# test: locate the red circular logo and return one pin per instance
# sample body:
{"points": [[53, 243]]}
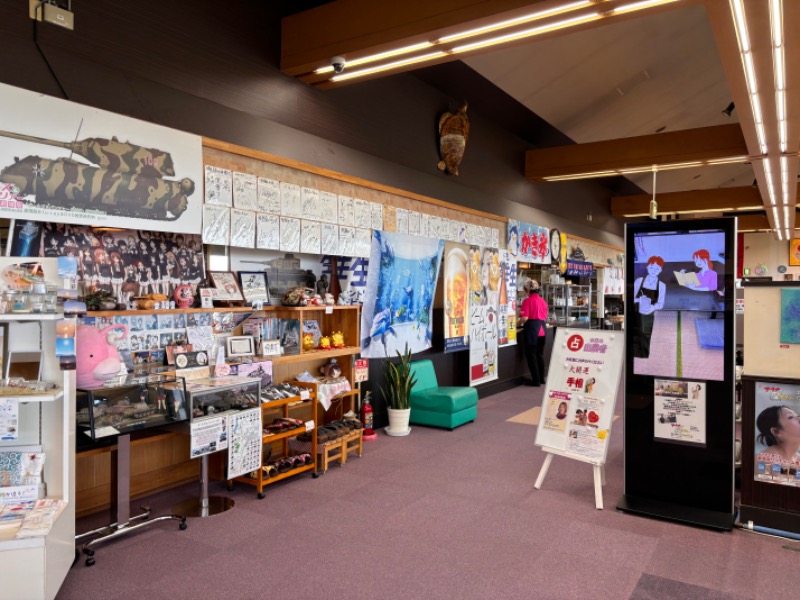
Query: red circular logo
{"points": [[575, 342]]}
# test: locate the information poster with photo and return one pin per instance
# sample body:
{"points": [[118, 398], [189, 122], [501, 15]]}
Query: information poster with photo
{"points": [[777, 434], [456, 299], [484, 279], [680, 411], [208, 435], [581, 390], [507, 303]]}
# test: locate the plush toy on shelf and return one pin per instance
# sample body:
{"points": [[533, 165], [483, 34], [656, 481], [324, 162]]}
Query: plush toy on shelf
{"points": [[325, 342], [98, 359], [337, 339], [308, 341]]}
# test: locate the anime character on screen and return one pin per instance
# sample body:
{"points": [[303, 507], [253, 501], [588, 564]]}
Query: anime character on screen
{"points": [[779, 430], [706, 275], [649, 293]]}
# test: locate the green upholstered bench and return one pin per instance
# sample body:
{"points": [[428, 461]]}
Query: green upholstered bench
{"points": [[440, 406]]}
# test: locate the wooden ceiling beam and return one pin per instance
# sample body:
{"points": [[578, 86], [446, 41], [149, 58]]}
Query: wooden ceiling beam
{"points": [[720, 199], [641, 152]]}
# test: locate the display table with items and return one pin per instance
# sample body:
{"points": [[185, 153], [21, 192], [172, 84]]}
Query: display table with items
{"points": [[224, 415], [115, 409]]}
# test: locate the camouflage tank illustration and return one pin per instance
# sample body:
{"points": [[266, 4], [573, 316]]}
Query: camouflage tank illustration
{"points": [[128, 180]]}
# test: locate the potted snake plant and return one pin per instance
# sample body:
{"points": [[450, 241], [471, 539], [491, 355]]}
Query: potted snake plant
{"points": [[397, 392]]}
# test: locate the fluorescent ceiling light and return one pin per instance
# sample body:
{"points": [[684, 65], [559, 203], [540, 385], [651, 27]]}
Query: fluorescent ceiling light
{"points": [[776, 20], [638, 6], [740, 25], [515, 21], [388, 66], [758, 207], [510, 37], [780, 235], [376, 57]]}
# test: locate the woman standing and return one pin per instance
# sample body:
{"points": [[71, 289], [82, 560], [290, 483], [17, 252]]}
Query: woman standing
{"points": [[533, 317], [648, 295]]}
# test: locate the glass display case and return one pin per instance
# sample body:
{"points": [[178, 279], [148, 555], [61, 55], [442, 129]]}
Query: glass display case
{"points": [[569, 304], [131, 403], [208, 397]]}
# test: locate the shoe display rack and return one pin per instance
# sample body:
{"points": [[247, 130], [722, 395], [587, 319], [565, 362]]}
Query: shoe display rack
{"points": [[269, 473], [335, 449]]}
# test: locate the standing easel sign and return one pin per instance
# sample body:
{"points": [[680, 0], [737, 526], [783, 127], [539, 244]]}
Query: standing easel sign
{"points": [[579, 398]]}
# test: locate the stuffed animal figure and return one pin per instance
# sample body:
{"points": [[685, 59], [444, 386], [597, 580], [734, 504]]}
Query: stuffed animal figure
{"points": [[184, 296], [97, 357]]}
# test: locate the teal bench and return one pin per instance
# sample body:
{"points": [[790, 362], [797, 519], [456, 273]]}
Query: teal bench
{"points": [[440, 406]]}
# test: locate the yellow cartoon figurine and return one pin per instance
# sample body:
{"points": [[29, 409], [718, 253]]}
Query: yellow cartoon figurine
{"points": [[325, 343], [308, 341], [338, 339]]}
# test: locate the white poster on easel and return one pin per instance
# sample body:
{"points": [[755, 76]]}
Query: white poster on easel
{"points": [[579, 399], [580, 394]]}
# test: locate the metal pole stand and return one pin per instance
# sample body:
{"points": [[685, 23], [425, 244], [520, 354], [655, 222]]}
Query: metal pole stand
{"points": [[205, 505], [121, 473]]}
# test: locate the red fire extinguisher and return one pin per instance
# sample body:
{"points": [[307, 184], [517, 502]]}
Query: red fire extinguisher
{"points": [[366, 415]]}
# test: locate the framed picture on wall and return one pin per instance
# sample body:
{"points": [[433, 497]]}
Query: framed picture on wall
{"points": [[794, 252], [227, 289], [255, 287]]}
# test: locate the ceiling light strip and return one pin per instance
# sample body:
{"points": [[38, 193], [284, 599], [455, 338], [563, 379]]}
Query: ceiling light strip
{"points": [[535, 16], [510, 37]]}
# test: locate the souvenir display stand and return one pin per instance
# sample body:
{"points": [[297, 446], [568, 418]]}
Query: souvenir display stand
{"points": [[34, 568], [578, 403], [679, 398], [151, 391], [770, 480], [569, 304], [217, 399]]}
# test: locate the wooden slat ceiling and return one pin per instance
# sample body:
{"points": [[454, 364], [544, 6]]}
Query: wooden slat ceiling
{"points": [[672, 68]]}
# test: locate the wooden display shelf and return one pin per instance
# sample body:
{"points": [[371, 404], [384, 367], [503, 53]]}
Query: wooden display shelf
{"points": [[315, 354], [276, 437], [28, 316], [55, 395], [262, 482]]}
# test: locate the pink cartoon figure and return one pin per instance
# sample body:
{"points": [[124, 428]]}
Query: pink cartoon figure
{"points": [[98, 359]]}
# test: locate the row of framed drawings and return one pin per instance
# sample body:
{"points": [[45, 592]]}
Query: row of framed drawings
{"points": [[246, 211]]}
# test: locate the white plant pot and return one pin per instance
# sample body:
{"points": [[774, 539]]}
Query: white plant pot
{"points": [[398, 421]]}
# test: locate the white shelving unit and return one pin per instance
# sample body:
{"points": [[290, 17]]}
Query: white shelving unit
{"points": [[35, 568]]}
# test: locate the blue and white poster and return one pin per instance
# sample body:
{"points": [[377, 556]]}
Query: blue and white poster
{"points": [[532, 241], [399, 297]]}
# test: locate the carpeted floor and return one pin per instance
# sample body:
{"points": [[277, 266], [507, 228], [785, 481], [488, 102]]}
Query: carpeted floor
{"points": [[438, 514]]}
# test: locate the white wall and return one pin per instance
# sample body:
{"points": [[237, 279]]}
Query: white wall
{"points": [[764, 248]]}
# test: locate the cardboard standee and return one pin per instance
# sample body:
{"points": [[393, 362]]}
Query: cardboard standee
{"points": [[579, 398]]}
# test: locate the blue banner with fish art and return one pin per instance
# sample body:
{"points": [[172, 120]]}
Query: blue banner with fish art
{"points": [[398, 302]]}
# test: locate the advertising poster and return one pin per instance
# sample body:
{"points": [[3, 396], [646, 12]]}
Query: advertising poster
{"points": [[580, 394], [9, 419], [485, 275], [790, 316], [208, 435], [67, 163], [128, 263], [398, 302], [777, 434], [244, 451], [680, 411], [512, 237], [533, 242], [507, 307], [456, 306]]}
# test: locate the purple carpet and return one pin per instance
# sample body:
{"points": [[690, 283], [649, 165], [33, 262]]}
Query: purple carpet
{"points": [[438, 514]]}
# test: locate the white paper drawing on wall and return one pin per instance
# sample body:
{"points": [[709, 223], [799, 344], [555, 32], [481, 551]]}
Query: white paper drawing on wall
{"points": [[377, 215], [363, 238], [362, 214], [244, 191], [402, 220], [216, 225], [346, 216], [291, 204], [309, 236], [268, 232], [311, 203], [347, 241], [243, 228], [290, 234], [434, 227], [329, 207], [269, 196], [454, 227], [218, 186], [413, 222], [329, 239], [495, 237], [55, 153], [424, 225], [462, 233]]}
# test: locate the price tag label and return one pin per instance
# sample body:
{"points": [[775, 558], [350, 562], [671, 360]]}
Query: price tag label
{"points": [[328, 310], [305, 394], [310, 425]]}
